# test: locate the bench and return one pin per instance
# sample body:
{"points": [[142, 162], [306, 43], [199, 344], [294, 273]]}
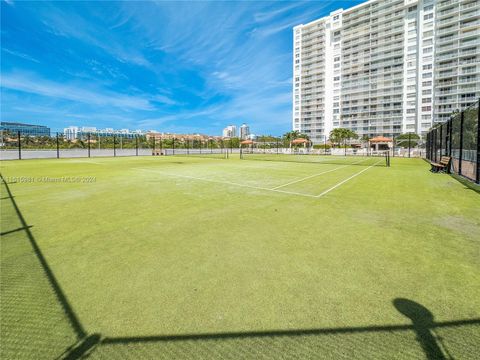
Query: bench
{"points": [[443, 165]]}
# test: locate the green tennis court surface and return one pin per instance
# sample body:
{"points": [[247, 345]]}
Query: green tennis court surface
{"points": [[189, 257]]}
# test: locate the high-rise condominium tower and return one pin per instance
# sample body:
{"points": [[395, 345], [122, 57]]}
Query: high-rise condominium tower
{"points": [[244, 131], [230, 131], [386, 67]]}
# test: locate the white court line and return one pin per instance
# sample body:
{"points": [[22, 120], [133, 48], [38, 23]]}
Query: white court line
{"points": [[311, 176], [344, 181], [308, 177], [227, 183]]}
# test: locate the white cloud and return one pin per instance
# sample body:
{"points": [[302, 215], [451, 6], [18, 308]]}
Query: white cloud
{"points": [[73, 92], [21, 55]]}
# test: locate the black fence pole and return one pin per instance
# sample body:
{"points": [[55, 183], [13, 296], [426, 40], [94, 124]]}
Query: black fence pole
{"points": [[88, 143], [136, 145], [450, 132], [432, 145], [478, 143], [19, 147], [460, 156], [409, 143], [173, 145], [114, 146], [154, 145], [58, 147], [429, 146]]}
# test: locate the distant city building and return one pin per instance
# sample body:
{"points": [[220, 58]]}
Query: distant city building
{"points": [[181, 137], [75, 132], [244, 131], [70, 133], [230, 131], [25, 129]]}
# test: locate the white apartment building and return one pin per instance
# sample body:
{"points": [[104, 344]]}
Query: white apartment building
{"points": [[71, 132], [75, 132], [244, 131], [230, 131], [386, 67]]}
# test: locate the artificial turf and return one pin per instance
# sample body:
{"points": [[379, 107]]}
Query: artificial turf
{"points": [[184, 257]]}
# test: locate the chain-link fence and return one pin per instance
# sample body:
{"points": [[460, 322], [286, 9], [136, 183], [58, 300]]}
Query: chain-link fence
{"points": [[17, 146], [458, 138]]}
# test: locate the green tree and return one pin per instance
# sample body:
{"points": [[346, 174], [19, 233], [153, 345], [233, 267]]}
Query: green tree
{"points": [[402, 140], [288, 137], [340, 135]]}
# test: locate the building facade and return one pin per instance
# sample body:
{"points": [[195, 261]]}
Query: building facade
{"points": [[230, 131], [386, 67], [25, 129], [75, 132], [244, 131]]}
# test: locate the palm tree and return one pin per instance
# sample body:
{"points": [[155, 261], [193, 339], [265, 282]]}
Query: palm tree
{"points": [[336, 135], [340, 135]]}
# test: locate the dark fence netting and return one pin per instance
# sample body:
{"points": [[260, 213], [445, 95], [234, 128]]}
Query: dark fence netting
{"points": [[15, 146], [458, 138]]}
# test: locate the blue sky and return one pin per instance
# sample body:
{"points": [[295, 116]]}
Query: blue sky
{"points": [[169, 66]]}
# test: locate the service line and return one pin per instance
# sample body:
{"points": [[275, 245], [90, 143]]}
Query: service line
{"points": [[227, 183], [344, 181]]}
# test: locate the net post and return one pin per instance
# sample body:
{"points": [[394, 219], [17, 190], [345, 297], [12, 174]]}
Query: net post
{"points": [[88, 144], [409, 142], [136, 144], [241, 151], [58, 147], [154, 145]]}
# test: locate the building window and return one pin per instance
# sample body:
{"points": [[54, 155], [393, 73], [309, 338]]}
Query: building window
{"points": [[428, 16]]}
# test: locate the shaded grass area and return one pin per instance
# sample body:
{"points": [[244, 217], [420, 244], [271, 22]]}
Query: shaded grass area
{"points": [[165, 269], [36, 318]]}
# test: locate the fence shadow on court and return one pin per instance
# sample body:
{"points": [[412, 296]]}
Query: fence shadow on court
{"points": [[37, 319], [39, 322]]}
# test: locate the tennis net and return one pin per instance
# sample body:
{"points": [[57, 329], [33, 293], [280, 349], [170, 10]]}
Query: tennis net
{"points": [[374, 159], [219, 153]]}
